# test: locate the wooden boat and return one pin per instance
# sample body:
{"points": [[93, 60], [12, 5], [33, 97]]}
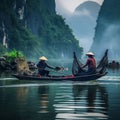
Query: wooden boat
{"points": [[101, 71], [60, 78]]}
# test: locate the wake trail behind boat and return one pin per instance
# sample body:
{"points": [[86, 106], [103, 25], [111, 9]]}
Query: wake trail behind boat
{"points": [[110, 78], [8, 79]]}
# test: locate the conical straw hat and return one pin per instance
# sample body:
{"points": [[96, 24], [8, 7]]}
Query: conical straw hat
{"points": [[43, 58], [90, 53]]}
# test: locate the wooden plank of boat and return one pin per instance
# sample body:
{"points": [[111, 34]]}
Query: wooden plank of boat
{"points": [[60, 78]]}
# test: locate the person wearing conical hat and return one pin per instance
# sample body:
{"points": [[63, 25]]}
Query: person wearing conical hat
{"points": [[42, 65], [91, 63]]}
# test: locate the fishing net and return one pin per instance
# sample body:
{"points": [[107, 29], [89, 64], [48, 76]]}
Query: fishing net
{"points": [[76, 67], [103, 63]]}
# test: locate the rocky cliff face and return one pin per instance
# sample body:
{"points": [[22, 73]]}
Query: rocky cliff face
{"points": [[107, 30], [32, 26], [26, 11], [33, 18]]}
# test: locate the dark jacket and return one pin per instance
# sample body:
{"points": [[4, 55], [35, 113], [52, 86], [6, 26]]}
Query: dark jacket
{"points": [[42, 65]]}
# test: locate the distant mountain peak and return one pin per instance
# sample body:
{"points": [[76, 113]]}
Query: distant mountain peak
{"points": [[88, 6], [83, 22]]}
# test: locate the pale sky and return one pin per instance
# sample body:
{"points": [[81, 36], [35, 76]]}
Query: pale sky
{"points": [[70, 5]]}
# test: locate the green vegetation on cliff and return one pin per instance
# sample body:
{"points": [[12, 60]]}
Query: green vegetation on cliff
{"points": [[39, 32]]}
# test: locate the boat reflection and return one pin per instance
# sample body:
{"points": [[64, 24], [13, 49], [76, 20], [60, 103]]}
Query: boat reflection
{"points": [[43, 94], [81, 101], [46, 109], [93, 98]]}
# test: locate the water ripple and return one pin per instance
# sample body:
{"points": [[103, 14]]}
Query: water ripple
{"points": [[8, 79], [110, 78], [78, 116]]}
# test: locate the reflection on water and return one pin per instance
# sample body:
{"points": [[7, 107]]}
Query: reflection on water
{"points": [[35, 100], [84, 102], [43, 93], [96, 100]]}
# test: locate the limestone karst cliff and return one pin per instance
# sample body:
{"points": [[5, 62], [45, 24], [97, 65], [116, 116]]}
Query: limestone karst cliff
{"points": [[107, 30], [33, 27], [83, 21]]}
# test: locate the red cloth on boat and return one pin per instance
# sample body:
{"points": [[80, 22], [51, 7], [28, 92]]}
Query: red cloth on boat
{"points": [[71, 76]]}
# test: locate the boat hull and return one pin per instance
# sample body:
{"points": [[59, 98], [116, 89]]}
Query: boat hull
{"points": [[60, 78]]}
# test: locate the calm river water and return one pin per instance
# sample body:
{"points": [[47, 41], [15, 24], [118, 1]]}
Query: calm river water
{"points": [[66, 100]]}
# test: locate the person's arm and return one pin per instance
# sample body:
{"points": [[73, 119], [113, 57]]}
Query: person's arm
{"points": [[54, 68], [85, 64], [51, 67]]}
